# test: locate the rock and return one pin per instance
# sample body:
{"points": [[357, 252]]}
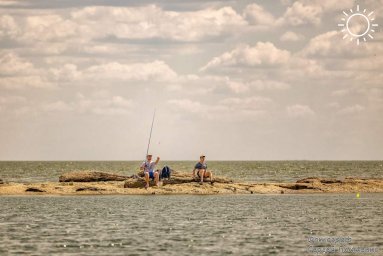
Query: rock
{"points": [[296, 186], [34, 190], [1, 181], [90, 176], [321, 180], [90, 189], [177, 178]]}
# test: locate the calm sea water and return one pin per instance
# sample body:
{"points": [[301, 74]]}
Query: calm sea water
{"points": [[186, 225], [241, 171]]}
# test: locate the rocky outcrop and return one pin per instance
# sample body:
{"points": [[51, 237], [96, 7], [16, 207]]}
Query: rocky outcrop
{"points": [[176, 178], [34, 190], [182, 183], [90, 176]]}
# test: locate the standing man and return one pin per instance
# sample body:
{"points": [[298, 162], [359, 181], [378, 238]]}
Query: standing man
{"points": [[148, 167], [202, 172]]}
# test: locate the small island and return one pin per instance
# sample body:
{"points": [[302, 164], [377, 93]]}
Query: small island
{"points": [[102, 183]]}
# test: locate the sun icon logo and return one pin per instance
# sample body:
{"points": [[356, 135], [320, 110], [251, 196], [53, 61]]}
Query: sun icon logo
{"points": [[358, 25]]}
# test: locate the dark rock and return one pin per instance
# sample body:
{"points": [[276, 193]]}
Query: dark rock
{"points": [[1, 181], [330, 181], [90, 176], [296, 186], [308, 180], [34, 190], [317, 179], [177, 178], [90, 189]]}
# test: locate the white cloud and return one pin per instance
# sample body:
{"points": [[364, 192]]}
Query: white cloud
{"points": [[299, 111], [58, 106], [341, 92], [153, 22], [229, 109], [153, 71], [66, 73], [325, 44], [13, 65], [355, 109], [93, 29], [188, 105], [330, 44], [9, 3], [10, 102], [258, 85], [304, 12], [8, 26], [50, 27], [291, 36], [247, 103], [333, 105], [265, 54], [12, 99], [257, 15], [20, 82], [16, 73], [244, 107], [263, 85], [330, 5], [301, 14], [98, 103], [237, 87]]}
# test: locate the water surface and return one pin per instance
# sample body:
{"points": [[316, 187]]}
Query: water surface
{"points": [[239, 170], [185, 225]]}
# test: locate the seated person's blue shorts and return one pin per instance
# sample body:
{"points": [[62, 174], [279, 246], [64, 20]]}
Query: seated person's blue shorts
{"points": [[200, 166], [151, 175]]}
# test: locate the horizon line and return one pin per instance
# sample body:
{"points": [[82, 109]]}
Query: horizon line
{"points": [[214, 160]]}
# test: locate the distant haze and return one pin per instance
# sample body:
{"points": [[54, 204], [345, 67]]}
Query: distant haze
{"points": [[235, 80]]}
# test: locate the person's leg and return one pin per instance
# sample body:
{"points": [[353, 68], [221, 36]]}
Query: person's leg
{"points": [[201, 173], [156, 177], [147, 179], [210, 175]]}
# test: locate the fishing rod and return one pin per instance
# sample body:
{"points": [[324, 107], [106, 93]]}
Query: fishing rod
{"points": [[150, 135]]}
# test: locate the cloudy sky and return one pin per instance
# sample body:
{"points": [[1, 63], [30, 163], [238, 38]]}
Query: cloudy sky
{"points": [[237, 80]]}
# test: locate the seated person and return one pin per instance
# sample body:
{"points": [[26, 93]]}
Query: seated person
{"points": [[148, 167], [202, 172]]}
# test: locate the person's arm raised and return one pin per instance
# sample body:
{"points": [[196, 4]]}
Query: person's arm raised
{"points": [[158, 159]]}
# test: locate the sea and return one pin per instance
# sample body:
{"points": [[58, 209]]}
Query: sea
{"points": [[305, 224]]}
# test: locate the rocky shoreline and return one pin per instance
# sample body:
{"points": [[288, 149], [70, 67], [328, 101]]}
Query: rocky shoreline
{"points": [[101, 183]]}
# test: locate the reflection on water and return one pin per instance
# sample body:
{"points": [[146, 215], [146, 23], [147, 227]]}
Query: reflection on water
{"points": [[240, 170], [184, 225]]}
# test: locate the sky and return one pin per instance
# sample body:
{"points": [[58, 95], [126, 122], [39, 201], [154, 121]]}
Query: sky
{"points": [[234, 80]]}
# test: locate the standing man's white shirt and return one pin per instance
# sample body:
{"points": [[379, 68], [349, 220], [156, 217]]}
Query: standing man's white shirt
{"points": [[148, 167]]}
